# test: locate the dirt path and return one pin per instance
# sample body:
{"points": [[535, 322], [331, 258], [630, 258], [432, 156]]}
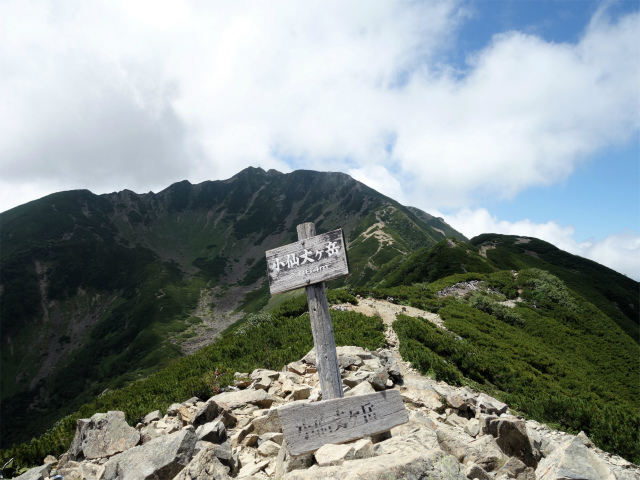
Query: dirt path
{"points": [[387, 311]]}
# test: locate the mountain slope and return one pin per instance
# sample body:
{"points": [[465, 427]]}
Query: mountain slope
{"points": [[101, 290]]}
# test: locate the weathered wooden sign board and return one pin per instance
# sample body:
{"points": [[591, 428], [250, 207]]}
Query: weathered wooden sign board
{"points": [[308, 426], [308, 263], [312, 260]]}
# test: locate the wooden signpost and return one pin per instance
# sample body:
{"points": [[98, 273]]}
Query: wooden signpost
{"points": [[308, 263]]}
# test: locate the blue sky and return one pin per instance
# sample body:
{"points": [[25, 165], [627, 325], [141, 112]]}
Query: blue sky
{"points": [[516, 117]]}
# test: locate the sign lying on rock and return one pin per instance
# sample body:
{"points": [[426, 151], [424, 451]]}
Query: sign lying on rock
{"points": [[308, 261], [308, 426]]}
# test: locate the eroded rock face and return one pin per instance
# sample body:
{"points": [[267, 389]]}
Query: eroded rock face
{"points": [[573, 460], [102, 435], [160, 459]]}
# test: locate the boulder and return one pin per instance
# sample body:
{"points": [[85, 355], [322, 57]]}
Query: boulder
{"points": [[472, 428], [285, 463], [269, 422], [161, 459], [379, 380], [204, 414], [102, 435], [233, 400], [362, 389], [213, 432], [476, 471], [511, 436], [573, 460], [515, 468], [269, 449], [405, 466], [487, 404], [36, 473], [204, 466], [420, 394], [152, 417], [356, 378], [332, 454]]}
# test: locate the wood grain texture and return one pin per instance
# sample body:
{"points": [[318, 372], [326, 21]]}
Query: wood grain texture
{"points": [[308, 426], [314, 259], [322, 329]]}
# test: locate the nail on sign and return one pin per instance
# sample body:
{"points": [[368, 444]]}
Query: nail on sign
{"points": [[316, 259]]}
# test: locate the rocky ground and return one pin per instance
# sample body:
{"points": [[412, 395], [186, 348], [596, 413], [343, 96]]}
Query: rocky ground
{"points": [[452, 433]]}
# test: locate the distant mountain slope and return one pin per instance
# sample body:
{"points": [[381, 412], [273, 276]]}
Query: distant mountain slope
{"points": [[615, 294], [100, 290]]}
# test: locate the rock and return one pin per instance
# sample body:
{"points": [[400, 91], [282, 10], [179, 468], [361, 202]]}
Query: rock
{"points": [[345, 361], [582, 436], [511, 437], [356, 378], [379, 380], [233, 400], [421, 440], [476, 471], [193, 401], [421, 397], [152, 417], [573, 460], [204, 414], [362, 389], [483, 451], [174, 409], [301, 392], [36, 473], [296, 367], [238, 437], [204, 466], [270, 422], [185, 415], [472, 428], [248, 470], [258, 373], [161, 459], [269, 449], [271, 436], [250, 440], [487, 404], [241, 380], [213, 432], [515, 468], [102, 435], [405, 466], [285, 463], [50, 459], [263, 383], [455, 420], [331, 454]]}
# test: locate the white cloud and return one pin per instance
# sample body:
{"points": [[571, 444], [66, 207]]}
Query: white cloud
{"points": [[110, 95], [620, 252]]}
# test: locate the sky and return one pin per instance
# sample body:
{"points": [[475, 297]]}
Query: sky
{"points": [[503, 116]]}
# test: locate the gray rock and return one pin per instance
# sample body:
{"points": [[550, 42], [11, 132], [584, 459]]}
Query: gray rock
{"points": [[204, 466], [269, 422], [174, 409], [269, 449], [160, 459], [213, 432], [420, 440], [573, 460], [405, 466], [36, 473], [514, 468], [585, 440], [421, 395], [490, 405], [473, 470], [285, 463], [152, 417], [362, 389], [102, 435], [271, 436], [511, 436], [205, 414], [472, 428], [356, 378], [455, 420], [379, 380], [232, 400]]}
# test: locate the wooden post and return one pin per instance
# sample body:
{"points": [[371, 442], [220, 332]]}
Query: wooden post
{"points": [[323, 340]]}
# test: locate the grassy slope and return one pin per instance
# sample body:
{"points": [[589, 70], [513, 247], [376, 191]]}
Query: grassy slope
{"points": [[615, 294]]}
